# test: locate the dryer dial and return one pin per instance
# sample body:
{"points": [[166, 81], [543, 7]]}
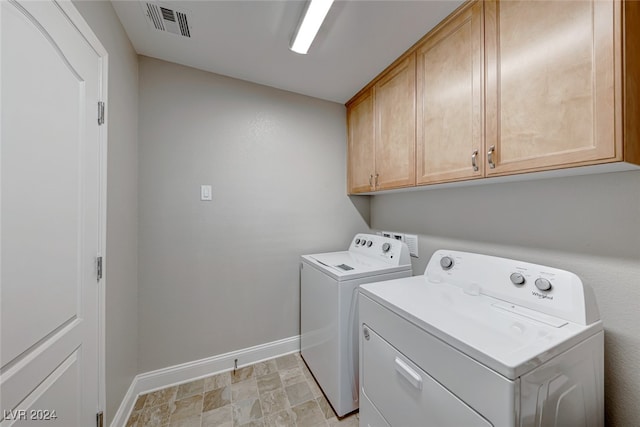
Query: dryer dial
{"points": [[543, 284], [446, 263], [517, 279]]}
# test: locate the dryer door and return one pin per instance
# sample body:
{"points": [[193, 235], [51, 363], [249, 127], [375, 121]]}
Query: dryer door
{"points": [[406, 395]]}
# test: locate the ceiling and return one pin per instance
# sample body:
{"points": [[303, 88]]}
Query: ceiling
{"points": [[249, 40]]}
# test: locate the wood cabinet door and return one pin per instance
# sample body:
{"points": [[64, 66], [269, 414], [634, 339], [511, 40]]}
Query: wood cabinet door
{"points": [[360, 163], [449, 100], [551, 84], [395, 126]]}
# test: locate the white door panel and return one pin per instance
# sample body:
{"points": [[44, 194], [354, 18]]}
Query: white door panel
{"points": [[50, 177]]}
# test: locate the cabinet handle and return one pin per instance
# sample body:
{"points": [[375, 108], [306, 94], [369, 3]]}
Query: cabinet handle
{"points": [[376, 181], [492, 150], [371, 180], [409, 374], [474, 161]]}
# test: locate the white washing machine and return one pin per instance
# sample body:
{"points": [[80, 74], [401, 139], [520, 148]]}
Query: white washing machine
{"points": [[481, 341], [329, 312]]}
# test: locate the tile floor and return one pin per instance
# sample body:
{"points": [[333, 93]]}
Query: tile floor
{"points": [[277, 392]]}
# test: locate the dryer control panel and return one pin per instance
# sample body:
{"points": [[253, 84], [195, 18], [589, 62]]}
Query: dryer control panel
{"points": [[394, 252], [521, 286]]}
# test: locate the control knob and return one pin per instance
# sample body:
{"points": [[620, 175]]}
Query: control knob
{"points": [[446, 263], [357, 241], [543, 284], [364, 242], [517, 279], [386, 247], [370, 243]]}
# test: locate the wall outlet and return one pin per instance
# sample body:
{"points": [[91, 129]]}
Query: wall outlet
{"points": [[412, 243], [398, 236], [387, 234]]}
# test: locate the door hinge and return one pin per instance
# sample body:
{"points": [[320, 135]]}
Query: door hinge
{"points": [[99, 267], [100, 112], [100, 419]]}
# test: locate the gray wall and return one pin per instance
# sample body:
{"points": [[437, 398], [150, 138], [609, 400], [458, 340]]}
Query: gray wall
{"points": [[223, 275], [121, 257], [588, 225]]}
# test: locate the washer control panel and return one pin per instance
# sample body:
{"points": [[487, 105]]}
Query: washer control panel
{"points": [[394, 252], [536, 287]]}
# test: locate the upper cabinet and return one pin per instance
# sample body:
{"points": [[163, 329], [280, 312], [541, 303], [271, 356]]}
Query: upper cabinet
{"points": [[449, 99], [395, 126], [502, 88], [551, 84], [360, 165], [382, 132]]}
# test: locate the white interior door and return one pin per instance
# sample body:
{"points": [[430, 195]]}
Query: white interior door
{"points": [[50, 218]]}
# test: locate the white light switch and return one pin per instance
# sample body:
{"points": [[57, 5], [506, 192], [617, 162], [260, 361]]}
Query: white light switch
{"points": [[205, 193]]}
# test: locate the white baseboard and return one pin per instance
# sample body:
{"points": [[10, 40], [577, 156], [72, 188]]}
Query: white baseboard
{"points": [[185, 372]]}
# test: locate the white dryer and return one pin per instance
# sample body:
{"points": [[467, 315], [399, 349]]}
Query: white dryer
{"points": [[329, 312], [481, 341]]}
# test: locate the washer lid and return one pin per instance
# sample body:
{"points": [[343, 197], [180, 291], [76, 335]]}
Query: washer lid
{"points": [[501, 336], [348, 265]]}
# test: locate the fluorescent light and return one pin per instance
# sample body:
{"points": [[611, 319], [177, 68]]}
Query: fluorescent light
{"points": [[314, 15]]}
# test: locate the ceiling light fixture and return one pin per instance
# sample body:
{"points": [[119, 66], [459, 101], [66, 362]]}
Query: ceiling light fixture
{"points": [[308, 28]]}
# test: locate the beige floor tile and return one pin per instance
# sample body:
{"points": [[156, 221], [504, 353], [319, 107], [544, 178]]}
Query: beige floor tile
{"points": [[192, 421], [187, 407], [156, 416], [242, 374], [190, 389], [299, 393], [246, 411], [133, 419], [350, 421], [279, 392], [315, 388], [215, 399], [221, 417], [274, 401], [326, 409], [291, 376], [269, 382], [159, 397], [246, 389], [286, 418], [308, 414], [253, 423], [287, 362], [265, 368], [217, 381], [140, 402], [306, 372]]}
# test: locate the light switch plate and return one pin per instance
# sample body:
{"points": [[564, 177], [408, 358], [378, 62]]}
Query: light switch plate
{"points": [[412, 243], [205, 193]]}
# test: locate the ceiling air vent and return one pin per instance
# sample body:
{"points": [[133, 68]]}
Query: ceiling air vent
{"points": [[167, 19]]}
